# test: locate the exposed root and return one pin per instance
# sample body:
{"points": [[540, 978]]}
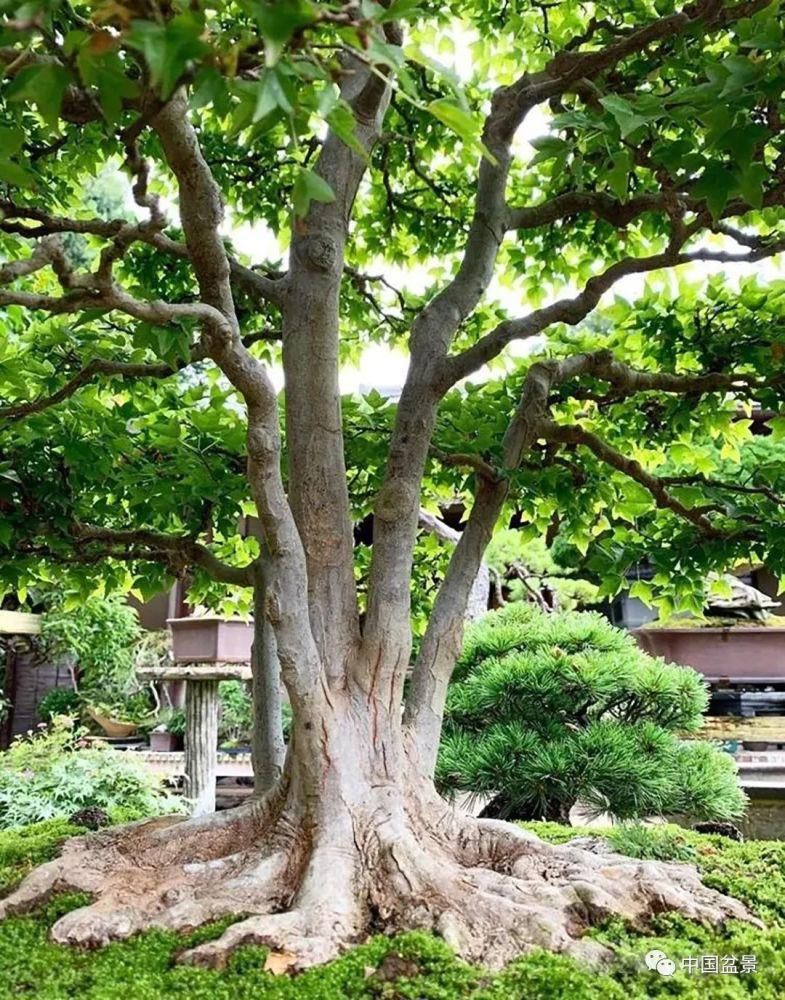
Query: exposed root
{"points": [[163, 873], [490, 890]]}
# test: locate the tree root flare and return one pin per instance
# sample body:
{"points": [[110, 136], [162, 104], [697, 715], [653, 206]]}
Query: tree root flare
{"points": [[490, 890]]}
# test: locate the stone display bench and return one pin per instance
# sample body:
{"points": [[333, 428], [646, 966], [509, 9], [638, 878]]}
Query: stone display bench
{"points": [[201, 722]]}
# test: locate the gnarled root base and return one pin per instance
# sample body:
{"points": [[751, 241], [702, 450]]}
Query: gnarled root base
{"points": [[491, 890]]}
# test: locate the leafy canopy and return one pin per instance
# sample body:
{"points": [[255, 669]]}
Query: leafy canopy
{"points": [[671, 152]]}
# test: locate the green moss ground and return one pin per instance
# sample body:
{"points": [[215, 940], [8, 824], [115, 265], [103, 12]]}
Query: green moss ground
{"points": [[416, 966]]}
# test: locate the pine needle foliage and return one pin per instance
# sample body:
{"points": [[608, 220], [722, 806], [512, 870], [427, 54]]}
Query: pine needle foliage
{"points": [[547, 710]]}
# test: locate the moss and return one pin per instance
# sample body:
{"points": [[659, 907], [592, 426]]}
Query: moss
{"points": [[417, 966], [22, 848]]}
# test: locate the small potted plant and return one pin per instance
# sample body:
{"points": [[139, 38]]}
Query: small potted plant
{"points": [[167, 736], [122, 714]]}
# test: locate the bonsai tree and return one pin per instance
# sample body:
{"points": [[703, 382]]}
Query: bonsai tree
{"points": [[548, 710], [659, 145], [524, 569]]}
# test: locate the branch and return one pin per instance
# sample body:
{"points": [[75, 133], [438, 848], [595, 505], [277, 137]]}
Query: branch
{"points": [[441, 643], [257, 286], [570, 67], [658, 489], [285, 576], [123, 369], [465, 460], [97, 366], [720, 484], [617, 213], [182, 546], [576, 308]]}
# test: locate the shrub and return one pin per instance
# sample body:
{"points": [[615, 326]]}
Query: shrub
{"points": [[59, 701], [236, 719], [174, 720], [98, 635], [545, 710], [51, 774]]}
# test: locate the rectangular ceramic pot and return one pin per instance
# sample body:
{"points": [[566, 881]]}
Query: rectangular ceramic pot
{"points": [[744, 654], [211, 639], [163, 742]]}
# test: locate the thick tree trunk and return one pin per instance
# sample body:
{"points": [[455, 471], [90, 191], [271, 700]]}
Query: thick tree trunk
{"points": [[354, 841], [352, 838], [268, 747]]}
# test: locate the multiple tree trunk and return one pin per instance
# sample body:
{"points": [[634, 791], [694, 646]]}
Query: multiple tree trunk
{"points": [[351, 837]]}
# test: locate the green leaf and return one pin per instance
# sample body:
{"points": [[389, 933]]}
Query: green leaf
{"points": [[716, 184], [168, 48], [11, 140], [278, 22], [461, 122], [342, 121], [548, 147], [309, 187], [401, 10], [266, 98], [619, 174], [777, 426], [16, 175], [752, 182], [624, 114], [44, 86]]}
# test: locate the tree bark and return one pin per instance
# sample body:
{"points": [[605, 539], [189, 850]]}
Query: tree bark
{"points": [[352, 841], [268, 746], [352, 838], [201, 745], [317, 484], [441, 643]]}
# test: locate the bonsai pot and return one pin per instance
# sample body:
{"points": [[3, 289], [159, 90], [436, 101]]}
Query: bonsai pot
{"points": [[115, 728], [163, 742], [746, 654], [211, 639]]}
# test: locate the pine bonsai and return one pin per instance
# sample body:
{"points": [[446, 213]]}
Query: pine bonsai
{"points": [[547, 710]]}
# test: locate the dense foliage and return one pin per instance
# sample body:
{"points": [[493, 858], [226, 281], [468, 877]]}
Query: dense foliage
{"points": [[53, 773], [678, 141], [97, 636], [549, 709], [415, 966], [235, 719], [526, 570], [60, 701]]}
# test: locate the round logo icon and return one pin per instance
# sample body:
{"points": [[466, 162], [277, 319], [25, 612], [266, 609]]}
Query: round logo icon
{"points": [[666, 967], [653, 958]]}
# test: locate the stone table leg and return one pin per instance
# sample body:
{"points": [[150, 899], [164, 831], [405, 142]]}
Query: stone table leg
{"points": [[201, 745]]}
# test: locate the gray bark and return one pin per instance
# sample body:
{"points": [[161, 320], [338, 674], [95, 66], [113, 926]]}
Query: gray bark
{"points": [[268, 746], [317, 483], [201, 745], [441, 643]]}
